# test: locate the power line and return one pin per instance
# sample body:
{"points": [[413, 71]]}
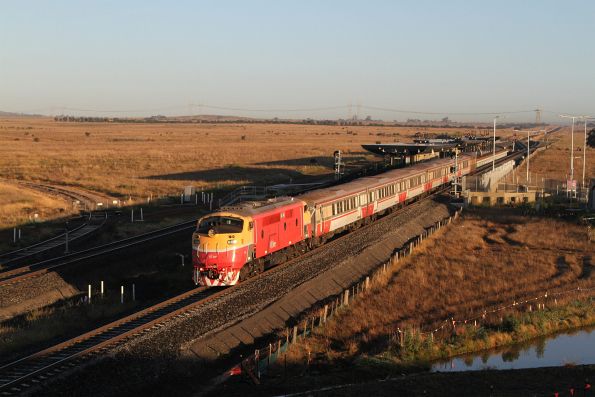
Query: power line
{"points": [[315, 109], [308, 109], [445, 113]]}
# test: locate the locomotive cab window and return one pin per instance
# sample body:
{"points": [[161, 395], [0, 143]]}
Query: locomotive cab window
{"points": [[220, 225]]}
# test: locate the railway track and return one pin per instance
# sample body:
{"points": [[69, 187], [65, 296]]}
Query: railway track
{"points": [[27, 372], [94, 222], [77, 196], [19, 274]]}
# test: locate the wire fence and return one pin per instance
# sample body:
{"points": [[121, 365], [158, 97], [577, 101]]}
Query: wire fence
{"points": [[257, 364]]}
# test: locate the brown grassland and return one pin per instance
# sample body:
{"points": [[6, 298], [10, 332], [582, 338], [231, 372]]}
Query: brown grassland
{"points": [[18, 204], [488, 258], [554, 163], [140, 160]]}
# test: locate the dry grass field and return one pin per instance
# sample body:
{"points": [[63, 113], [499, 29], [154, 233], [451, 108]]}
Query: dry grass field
{"points": [[18, 203], [140, 160], [554, 163], [489, 258]]}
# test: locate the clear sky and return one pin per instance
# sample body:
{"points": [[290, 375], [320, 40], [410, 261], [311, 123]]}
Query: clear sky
{"points": [[157, 57]]}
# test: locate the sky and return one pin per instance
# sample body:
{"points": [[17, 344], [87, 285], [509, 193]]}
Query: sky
{"points": [[319, 59]]}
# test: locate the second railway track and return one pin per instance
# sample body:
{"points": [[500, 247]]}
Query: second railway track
{"points": [[22, 273], [25, 373]]}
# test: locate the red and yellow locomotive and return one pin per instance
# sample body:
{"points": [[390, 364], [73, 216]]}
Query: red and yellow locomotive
{"points": [[240, 241]]}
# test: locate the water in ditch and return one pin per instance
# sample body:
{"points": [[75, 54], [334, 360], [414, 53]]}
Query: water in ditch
{"points": [[573, 348]]}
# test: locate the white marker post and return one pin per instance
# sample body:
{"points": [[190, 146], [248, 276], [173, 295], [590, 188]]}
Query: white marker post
{"points": [[101, 289], [133, 292], [182, 198], [141, 215], [89, 293], [121, 294], [14, 235], [19, 234], [132, 215]]}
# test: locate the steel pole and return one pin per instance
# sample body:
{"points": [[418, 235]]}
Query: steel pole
{"points": [[572, 151], [584, 154], [528, 143], [494, 147]]}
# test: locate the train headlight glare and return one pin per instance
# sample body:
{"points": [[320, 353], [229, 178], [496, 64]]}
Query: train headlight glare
{"points": [[232, 241]]}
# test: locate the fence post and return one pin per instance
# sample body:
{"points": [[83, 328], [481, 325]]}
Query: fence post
{"points": [[346, 297], [257, 362], [325, 314], [295, 333], [367, 283]]}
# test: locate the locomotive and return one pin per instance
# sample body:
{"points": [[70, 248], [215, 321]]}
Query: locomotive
{"points": [[243, 240]]}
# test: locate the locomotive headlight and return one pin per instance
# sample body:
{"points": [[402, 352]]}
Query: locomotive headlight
{"points": [[230, 242]]}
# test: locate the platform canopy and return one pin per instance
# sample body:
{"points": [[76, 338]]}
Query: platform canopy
{"points": [[419, 146], [401, 149]]}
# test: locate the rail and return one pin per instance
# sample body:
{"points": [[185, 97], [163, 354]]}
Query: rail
{"points": [[23, 373], [37, 248], [37, 269]]}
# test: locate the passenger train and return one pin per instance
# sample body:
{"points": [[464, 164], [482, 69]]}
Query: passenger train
{"points": [[238, 242]]}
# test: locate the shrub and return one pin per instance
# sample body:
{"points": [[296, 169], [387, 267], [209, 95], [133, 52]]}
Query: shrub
{"points": [[510, 324]]}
